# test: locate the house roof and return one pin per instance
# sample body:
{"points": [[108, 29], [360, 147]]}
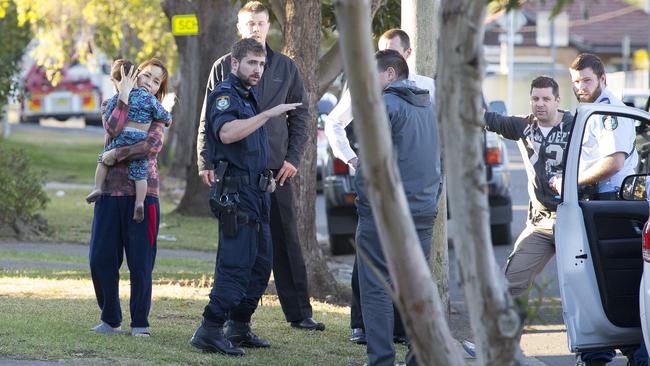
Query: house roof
{"points": [[594, 26]]}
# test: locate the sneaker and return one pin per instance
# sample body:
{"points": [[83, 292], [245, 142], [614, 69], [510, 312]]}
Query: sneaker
{"points": [[470, 348]]}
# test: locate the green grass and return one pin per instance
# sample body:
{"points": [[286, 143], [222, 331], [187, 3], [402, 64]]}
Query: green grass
{"points": [[49, 326], [70, 218], [164, 265], [63, 156], [70, 157]]}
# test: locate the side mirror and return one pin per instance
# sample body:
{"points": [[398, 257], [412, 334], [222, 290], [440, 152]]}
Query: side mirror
{"points": [[634, 188]]}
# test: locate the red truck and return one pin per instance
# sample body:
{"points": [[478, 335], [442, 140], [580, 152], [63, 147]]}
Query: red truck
{"points": [[79, 93]]}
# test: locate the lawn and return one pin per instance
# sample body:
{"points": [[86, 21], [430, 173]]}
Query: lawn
{"points": [[63, 156], [50, 319], [69, 156], [70, 218], [47, 303]]}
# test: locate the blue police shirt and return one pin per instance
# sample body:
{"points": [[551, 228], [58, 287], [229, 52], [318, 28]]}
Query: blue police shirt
{"points": [[232, 101]]}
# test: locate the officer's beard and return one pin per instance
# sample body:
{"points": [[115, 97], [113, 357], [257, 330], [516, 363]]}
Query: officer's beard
{"points": [[591, 97], [248, 80]]}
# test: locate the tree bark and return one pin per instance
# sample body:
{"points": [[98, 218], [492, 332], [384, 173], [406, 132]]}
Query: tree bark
{"points": [[331, 63], [196, 55], [416, 296], [423, 31], [301, 43], [494, 319]]}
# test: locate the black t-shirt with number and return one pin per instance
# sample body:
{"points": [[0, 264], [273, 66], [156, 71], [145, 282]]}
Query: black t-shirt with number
{"points": [[543, 153]]}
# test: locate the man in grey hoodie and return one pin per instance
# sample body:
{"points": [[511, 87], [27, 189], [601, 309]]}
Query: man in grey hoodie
{"points": [[414, 135]]}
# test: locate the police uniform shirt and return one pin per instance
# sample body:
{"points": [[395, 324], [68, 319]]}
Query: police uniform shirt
{"points": [[606, 135], [232, 101]]}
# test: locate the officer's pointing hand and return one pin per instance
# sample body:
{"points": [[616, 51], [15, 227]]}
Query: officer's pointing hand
{"points": [[287, 171], [281, 109]]}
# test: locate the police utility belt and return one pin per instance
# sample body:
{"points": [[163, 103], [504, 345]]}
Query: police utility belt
{"points": [[224, 198]]}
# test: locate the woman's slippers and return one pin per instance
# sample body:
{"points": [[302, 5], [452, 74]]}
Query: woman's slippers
{"points": [[141, 332], [105, 328]]}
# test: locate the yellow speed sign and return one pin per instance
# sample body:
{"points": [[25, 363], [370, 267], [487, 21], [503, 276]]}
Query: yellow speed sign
{"points": [[185, 25]]}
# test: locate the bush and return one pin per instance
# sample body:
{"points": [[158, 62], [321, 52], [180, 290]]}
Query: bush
{"points": [[21, 188]]}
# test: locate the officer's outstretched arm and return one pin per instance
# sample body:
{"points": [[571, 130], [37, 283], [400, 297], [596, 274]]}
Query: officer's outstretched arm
{"points": [[239, 129]]}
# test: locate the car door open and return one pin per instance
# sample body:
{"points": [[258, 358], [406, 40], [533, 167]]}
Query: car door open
{"points": [[598, 246]]}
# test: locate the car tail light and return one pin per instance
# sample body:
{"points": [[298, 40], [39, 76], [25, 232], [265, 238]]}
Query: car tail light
{"points": [[35, 104], [493, 156], [646, 241], [88, 101], [340, 168]]}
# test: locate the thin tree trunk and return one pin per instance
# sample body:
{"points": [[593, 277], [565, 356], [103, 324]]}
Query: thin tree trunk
{"points": [[494, 319], [331, 63], [416, 296], [196, 55], [423, 31], [301, 43]]}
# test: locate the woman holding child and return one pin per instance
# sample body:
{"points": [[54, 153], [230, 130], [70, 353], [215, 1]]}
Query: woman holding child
{"points": [[118, 227]]}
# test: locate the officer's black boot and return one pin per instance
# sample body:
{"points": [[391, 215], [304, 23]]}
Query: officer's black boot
{"points": [[209, 337], [240, 335]]}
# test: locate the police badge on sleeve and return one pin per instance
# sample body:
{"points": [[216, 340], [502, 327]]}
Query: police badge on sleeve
{"points": [[610, 122], [223, 102]]}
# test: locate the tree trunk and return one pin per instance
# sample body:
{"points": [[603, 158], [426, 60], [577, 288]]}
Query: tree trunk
{"points": [[416, 296], [423, 31], [494, 319], [331, 63], [301, 43], [196, 55]]}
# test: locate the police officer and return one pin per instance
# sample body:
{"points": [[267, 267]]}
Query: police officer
{"points": [[240, 201], [281, 83]]}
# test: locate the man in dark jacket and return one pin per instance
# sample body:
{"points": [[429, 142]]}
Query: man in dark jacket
{"points": [[414, 135], [281, 83]]}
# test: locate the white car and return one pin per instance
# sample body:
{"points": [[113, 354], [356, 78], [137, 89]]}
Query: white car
{"points": [[598, 247]]}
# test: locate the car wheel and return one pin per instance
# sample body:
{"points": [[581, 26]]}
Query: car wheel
{"points": [[501, 234], [341, 244]]}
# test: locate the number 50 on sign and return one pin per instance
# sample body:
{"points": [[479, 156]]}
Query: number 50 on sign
{"points": [[185, 25]]}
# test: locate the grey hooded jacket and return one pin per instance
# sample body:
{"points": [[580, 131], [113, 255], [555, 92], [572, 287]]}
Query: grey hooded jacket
{"points": [[414, 133]]}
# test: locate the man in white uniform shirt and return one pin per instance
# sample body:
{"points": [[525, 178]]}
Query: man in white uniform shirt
{"points": [[608, 147], [608, 155], [335, 123]]}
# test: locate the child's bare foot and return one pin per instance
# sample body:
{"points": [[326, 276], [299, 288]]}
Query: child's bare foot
{"points": [[93, 195], [138, 212]]}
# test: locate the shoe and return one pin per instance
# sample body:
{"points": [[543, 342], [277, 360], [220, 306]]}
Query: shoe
{"points": [[470, 348], [401, 339], [240, 335], [210, 338], [308, 324], [358, 336], [105, 328]]}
